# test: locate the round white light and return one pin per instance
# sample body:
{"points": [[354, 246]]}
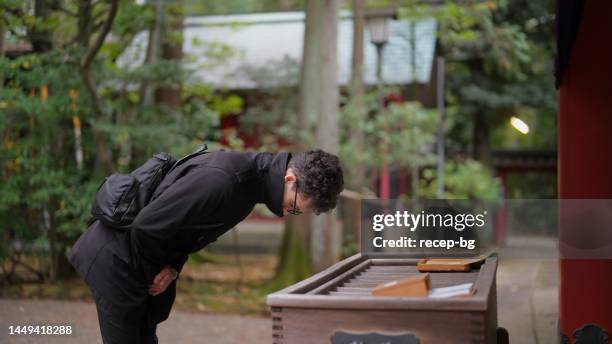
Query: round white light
{"points": [[519, 125]]}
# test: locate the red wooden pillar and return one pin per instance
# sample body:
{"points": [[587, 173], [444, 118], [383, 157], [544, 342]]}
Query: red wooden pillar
{"points": [[385, 181], [585, 164]]}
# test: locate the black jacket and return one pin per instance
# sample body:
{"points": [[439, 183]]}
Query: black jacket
{"points": [[195, 203]]}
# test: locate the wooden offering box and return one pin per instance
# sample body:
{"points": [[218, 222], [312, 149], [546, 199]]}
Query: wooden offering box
{"points": [[336, 306]]}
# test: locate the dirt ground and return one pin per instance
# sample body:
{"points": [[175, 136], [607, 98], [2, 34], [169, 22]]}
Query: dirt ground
{"points": [[181, 327], [527, 289]]}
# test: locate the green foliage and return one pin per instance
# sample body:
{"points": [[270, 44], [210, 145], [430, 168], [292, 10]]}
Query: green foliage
{"points": [[44, 194], [499, 64], [408, 131], [355, 148], [467, 179], [532, 185], [402, 135], [541, 131], [272, 113]]}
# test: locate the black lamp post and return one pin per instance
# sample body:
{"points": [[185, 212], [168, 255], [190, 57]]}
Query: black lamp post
{"points": [[378, 25], [377, 21]]}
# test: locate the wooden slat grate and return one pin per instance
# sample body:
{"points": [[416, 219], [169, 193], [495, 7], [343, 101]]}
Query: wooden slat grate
{"points": [[362, 283]]}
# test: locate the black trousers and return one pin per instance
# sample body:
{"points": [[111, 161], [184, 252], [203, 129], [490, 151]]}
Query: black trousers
{"points": [[124, 326]]}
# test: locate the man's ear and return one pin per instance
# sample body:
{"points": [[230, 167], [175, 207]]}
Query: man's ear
{"points": [[289, 175]]}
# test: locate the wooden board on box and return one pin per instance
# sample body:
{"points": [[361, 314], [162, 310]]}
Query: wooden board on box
{"points": [[417, 285], [448, 264]]}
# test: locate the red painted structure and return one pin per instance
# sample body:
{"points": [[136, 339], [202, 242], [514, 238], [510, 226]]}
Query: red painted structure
{"points": [[506, 162], [585, 163]]}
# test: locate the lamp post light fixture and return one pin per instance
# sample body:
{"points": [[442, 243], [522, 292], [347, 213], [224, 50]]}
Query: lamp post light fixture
{"points": [[519, 125], [379, 29], [377, 21]]}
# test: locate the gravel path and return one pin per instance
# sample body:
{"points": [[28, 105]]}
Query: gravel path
{"points": [[181, 327]]}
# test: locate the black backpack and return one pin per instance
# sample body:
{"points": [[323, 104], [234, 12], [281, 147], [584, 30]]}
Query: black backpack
{"points": [[121, 196]]}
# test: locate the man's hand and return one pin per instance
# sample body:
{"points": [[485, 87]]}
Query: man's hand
{"points": [[162, 280]]}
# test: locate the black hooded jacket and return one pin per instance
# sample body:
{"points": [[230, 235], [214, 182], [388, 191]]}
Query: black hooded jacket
{"points": [[195, 203]]}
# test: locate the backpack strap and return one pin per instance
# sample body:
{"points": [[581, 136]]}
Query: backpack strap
{"points": [[168, 180], [202, 149]]}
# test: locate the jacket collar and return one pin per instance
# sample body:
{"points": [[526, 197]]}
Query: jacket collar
{"points": [[271, 169]]}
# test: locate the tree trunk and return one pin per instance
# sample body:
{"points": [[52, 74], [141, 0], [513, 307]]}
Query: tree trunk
{"points": [[1, 40], [84, 23], [1, 53], [326, 239], [310, 77], [153, 52], [414, 182], [481, 135], [357, 181], [294, 258], [171, 49], [440, 161], [90, 52], [41, 37], [356, 92], [146, 91], [327, 124]]}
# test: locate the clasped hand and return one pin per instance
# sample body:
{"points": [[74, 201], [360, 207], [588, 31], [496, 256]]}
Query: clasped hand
{"points": [[162, 280]]}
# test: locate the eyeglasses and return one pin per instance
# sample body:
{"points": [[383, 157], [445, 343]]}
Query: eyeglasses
{"points": [[295, 210]]}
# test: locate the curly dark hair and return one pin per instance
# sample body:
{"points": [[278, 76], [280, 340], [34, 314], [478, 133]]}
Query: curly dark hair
{"points": [[319, 178]]}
